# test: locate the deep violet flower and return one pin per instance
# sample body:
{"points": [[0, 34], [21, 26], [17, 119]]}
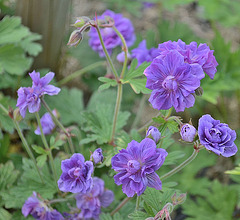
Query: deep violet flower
{"points": [[193, 55], [76, 175], [172, 82], [97, 156], [91, 203], [110, 38], [136, 166], [216, 136], [39, 210], [153, 133], [188, 132], [47, 124], [29, 97]]}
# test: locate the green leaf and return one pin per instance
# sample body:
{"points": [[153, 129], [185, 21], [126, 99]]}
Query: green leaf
{"points": [[148, 209], [69, 103], [172, 126], [138, 215], [117, 216], [173, 157], [11, 30], [107, 83], [105, 216], [31, 47], [139, 86], [39, 150], [4, 214], [13, 59], [41, 160], [135, 71], [8, 175], [235, 171]]}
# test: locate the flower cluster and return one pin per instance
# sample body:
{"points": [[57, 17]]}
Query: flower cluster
{"points": [[39, 210], [175, 74], [216, 136], [141, 53], [77, 175], [110, 38], [30, 97], [136, 166], [47, 124], [91, 203]]}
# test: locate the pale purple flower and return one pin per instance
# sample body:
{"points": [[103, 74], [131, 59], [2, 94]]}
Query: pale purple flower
{"points": [[97, 156], [200, 57], [136, 166], [153, 133], [29, 97], [47, 124], [121, 57], [76, 175], [110, 38], [39, 210], [91, 203], [216, 136], [172, 81], [188, 132]]}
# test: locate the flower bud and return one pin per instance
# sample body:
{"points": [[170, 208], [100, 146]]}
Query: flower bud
{"points": [[16, 115], [177, 200], [97, 156], [199, 91], [75, 38], [153, 133], [188, 132], [81, 21]]}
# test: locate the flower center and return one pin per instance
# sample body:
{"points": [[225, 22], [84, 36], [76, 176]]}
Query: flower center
{"points": [[170, 83], [77, 172], [133, 166], [215, 134]]}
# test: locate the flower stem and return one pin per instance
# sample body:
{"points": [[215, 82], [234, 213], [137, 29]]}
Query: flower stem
{"points": [[80, 72], [121, 205], [182, 165], [28, 149], [138, 203], [25, 144], [60, 126], [47, 148], [106, 52]]}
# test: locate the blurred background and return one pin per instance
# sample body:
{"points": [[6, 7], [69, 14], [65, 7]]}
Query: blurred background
{"points": [[34, 35]]}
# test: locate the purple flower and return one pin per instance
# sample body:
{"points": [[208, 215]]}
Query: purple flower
{"points": [[136, 166], [153, 133], [91, 203], [29, 97], [97, 156], [216, 136], [121, 57], [76, 176], [173, 82], [47, 124], [110, 38], [200, 57], [188, 132], [39, 210]]}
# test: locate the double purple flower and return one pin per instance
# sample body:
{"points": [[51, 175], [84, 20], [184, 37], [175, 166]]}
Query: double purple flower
{"points": [[91, 203], [136, 166], [216, 136], [29, 97], [76, 175], [110, 38], [39, 210]]}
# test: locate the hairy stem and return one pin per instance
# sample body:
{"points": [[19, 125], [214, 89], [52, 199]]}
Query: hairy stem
{"points": [[47, 148], [138, 203], [59, 124]]}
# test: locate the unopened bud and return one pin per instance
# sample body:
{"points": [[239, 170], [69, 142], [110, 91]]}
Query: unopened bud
{"points": [[75, 38], [16, 115], [81, 21], [153, 133], [199, 91], [177, 200], [188, 132], [97, 156]]}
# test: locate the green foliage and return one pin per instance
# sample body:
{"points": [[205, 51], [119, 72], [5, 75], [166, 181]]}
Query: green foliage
{"points": [[235, 171], [107, 83], [16, 41], [218, 203], [69, 103], [135, 78]]}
